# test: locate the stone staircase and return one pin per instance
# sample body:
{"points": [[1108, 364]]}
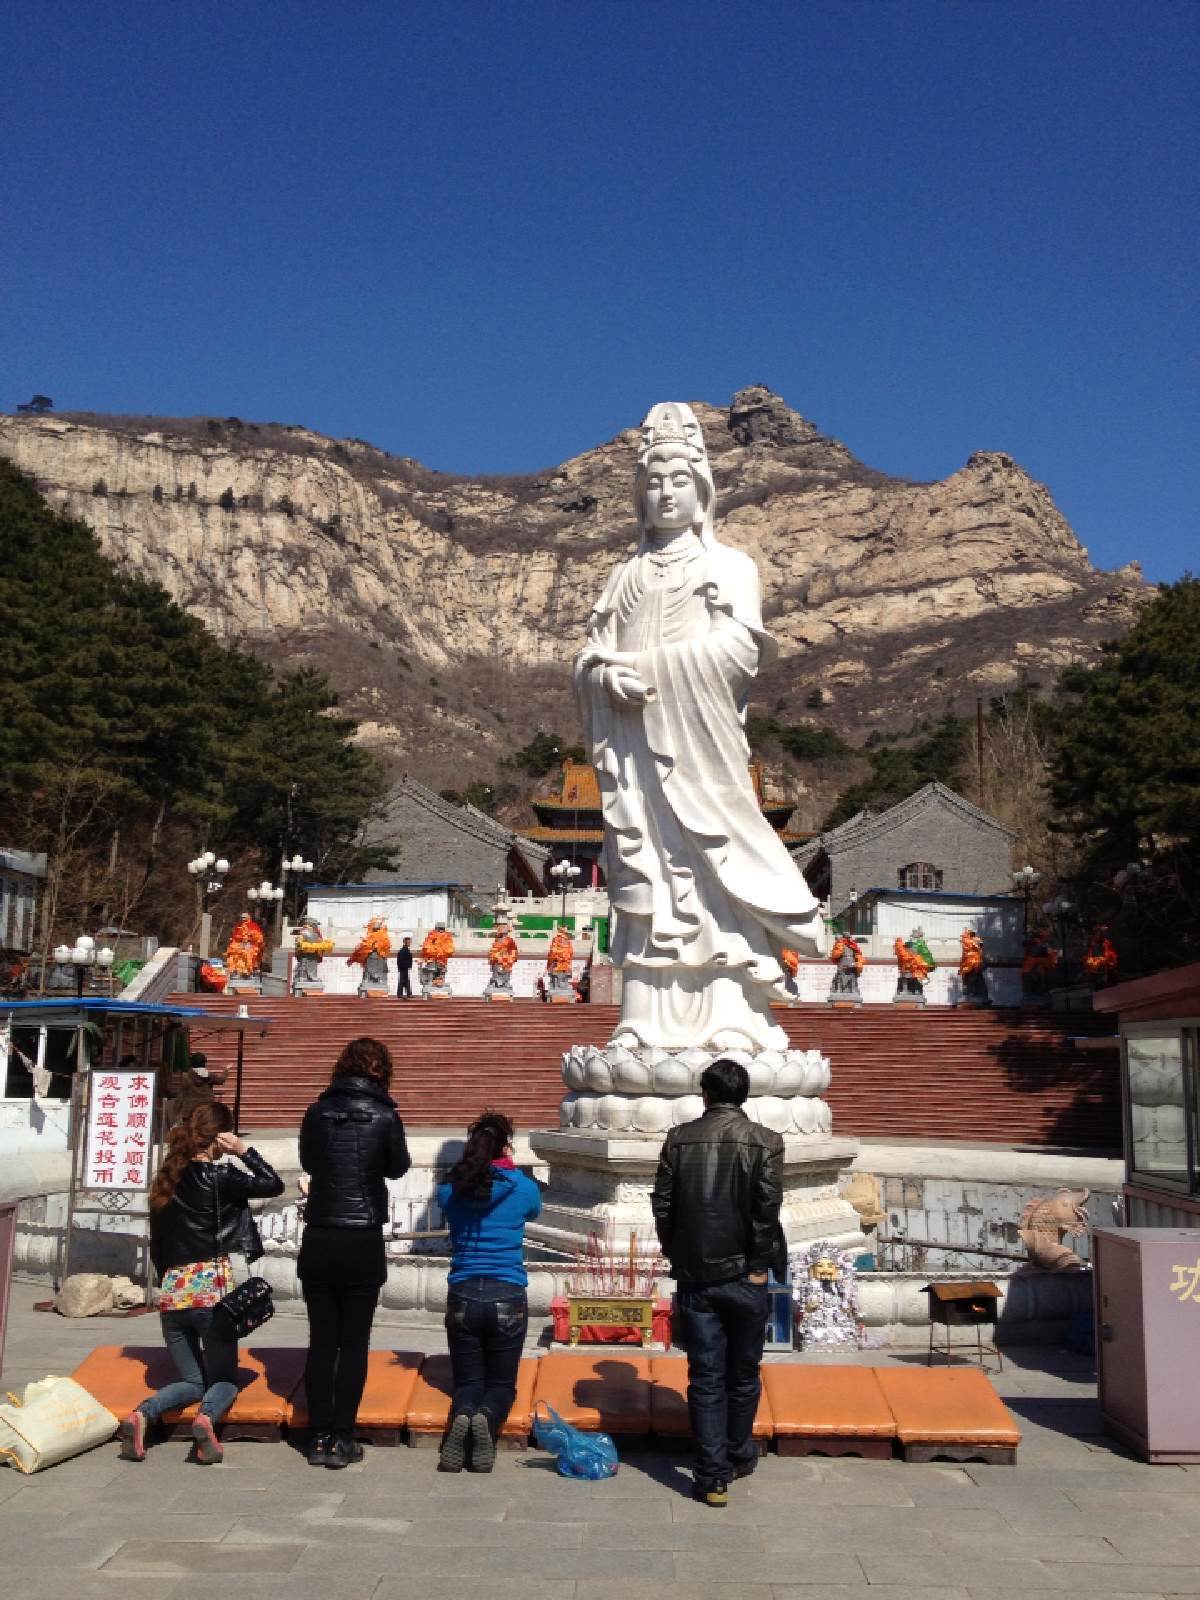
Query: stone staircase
{"points": [[991, 1076]]}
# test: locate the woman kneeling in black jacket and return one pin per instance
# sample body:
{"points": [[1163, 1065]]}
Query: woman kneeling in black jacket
{"points": [[350, 1141], [198, 1217]]}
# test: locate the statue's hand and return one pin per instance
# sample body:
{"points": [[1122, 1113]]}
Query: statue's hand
{"points": [[628, 687], [596, 656]]}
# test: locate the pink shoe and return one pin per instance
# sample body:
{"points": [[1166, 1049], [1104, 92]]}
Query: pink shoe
{"points": [[208, 1446], [132, 1434]]}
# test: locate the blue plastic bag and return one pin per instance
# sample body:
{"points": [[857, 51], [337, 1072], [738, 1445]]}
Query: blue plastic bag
{"points": [[580, 1455]]}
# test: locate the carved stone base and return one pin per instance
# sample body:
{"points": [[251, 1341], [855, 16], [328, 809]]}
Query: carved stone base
{"points": [[899, 999], [848, 1002], [241, 985], [372, 994], [442, 992], [600, 1183], [312, 986], [498, 994]]}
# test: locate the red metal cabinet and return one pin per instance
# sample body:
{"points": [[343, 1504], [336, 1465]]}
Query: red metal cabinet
{"points": [[1148, 1338]]}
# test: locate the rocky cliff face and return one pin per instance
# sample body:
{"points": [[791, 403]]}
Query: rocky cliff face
{"points": [[447, 608]]}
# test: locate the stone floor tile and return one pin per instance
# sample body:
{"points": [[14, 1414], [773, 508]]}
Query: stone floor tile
{"points": [[625, 1589], [54, 1551], [1149, 1548], [452, 1532], [645, 1568], [1089, 1548], [874, 1591], [1076, 1577], [224, 1499], [737, 1567], [1146, 1498], [266, 1586], [716, 1534], [71, 1583], [783, 1538], [167, 1557], [931, 1568], [433, 1587], [655, 1512]]}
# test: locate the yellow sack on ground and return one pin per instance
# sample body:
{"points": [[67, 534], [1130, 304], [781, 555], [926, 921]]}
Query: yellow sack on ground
{"points": [[56, 1420]]}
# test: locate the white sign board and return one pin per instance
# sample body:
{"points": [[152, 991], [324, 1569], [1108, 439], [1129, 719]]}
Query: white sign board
{"points": [[120, 1130]]}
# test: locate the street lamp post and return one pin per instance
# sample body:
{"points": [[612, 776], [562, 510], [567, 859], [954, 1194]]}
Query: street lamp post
{"points": [[209, 871], [1026, 880], [83, 955], [298, 867], [269, 896], [565, 874], [1060, 908]]}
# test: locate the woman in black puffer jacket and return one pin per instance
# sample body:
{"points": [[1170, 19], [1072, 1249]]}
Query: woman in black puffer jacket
{"points": [[351, 1139]]}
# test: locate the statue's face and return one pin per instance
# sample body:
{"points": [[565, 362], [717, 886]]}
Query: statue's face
{"points": [[672, 499]]}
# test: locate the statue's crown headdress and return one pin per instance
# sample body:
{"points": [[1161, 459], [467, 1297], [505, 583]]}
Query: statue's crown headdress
{"points": [[672, 423]]}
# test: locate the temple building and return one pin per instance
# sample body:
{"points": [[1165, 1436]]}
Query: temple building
{"points": [[933, 843], [431, 840], [570, 823]]}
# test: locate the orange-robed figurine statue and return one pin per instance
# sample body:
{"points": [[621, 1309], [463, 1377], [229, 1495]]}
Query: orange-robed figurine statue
{"points": [[371, 954], [972, 970], [244, 952], [436, 949], [789, 960], [559, 989], [848, 962], [1100, 960], [913, 966], [502, 958]]}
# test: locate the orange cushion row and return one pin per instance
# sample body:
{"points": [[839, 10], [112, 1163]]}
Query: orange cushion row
{"points": [[625, 1394]]}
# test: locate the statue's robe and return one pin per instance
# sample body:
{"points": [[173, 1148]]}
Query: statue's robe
{"points": [[704, 890]]}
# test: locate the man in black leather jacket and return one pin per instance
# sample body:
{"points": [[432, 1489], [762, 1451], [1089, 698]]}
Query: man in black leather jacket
{"points": [[716, 1205]]}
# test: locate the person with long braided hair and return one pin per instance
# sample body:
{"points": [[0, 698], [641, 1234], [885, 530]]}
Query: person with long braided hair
{"points": [[199, 1215], [486, 1203]]}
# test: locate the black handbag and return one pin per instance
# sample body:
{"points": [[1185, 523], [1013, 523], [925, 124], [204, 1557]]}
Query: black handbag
{"points": [[246, 1308], [250, 1304]]}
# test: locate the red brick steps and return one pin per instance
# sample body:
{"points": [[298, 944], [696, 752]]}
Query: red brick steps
{"points": [[1000, 1076]]}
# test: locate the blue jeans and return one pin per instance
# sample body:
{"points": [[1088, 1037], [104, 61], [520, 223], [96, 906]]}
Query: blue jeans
{"points": [[486, 1321], [206, 1359], [723, 1327]]}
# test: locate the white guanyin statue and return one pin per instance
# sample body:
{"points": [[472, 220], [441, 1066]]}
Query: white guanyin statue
{"points": [[705, 893]]}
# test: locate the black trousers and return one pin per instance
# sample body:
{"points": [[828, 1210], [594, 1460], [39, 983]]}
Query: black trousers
{"points": [[404, 984], [341, 1270], [486, 1320], [723, 1327]]}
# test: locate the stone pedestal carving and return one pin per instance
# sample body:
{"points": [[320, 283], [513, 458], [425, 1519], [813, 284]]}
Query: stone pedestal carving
{"points": [[601, 1184]]}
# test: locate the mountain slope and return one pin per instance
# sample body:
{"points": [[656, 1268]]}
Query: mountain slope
{"points": [[446, 608]]}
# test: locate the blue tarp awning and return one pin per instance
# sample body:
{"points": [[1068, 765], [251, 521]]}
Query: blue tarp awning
{"points": [[70, 1011]]}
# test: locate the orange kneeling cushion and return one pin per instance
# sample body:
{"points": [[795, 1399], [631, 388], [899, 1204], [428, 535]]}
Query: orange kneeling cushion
{"points": [[122, 1376], [391, 1375], [598, 1392], [956, 1405], [668, 1402], [429, 1402], [828, 1402]]}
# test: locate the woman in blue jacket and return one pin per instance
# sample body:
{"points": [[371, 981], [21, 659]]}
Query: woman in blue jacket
{"points": [[486, 1203]]}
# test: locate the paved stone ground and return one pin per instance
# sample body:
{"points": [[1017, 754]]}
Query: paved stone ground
{"points": [[1076, 1516]]}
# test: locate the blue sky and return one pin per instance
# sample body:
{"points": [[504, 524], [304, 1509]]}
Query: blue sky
{"points": [[491, 234]]}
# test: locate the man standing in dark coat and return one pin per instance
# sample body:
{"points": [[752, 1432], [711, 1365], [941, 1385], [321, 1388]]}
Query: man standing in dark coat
{"points": [[716, 1202]]}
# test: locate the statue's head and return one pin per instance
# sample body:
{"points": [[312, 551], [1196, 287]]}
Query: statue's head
{"points": [[674, 486]]}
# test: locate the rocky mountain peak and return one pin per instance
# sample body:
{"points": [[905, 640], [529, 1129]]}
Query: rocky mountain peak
{"points": [[447, 608]]}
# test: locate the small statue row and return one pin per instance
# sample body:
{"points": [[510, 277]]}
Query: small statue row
{"points": [[914, 964]]}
